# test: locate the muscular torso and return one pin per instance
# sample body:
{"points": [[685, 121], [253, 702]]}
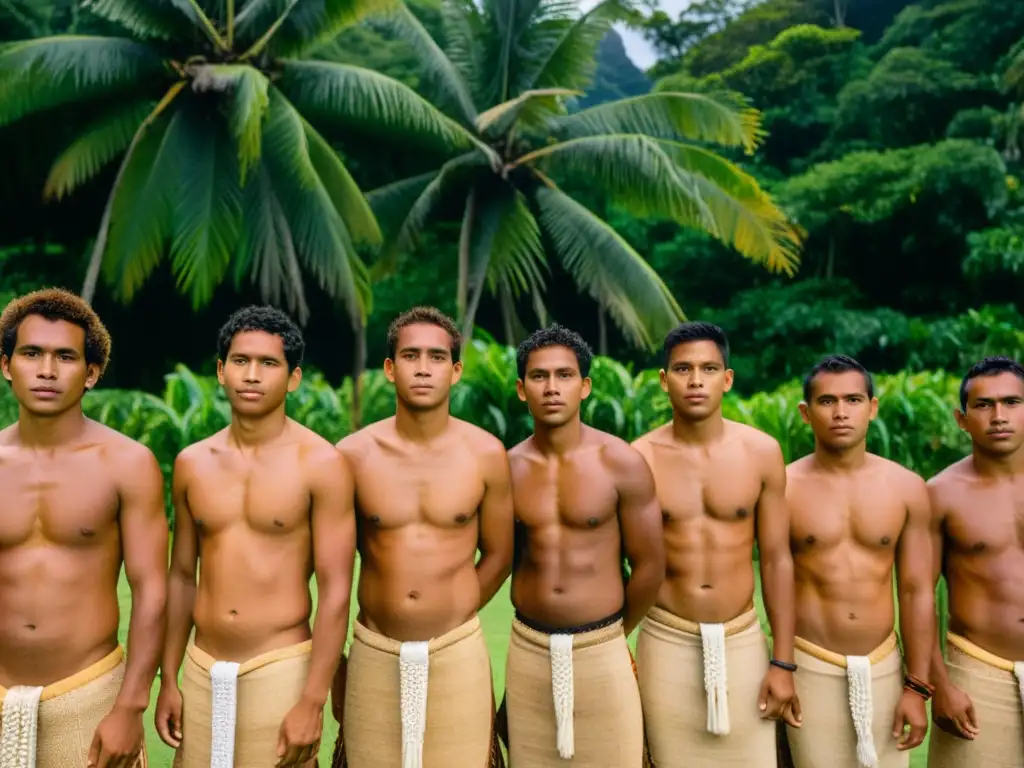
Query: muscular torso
{"points": [[844, 530], [252, 517], [568, 569], [418, 521], [983, 548], [60, 558], [708, 497]]}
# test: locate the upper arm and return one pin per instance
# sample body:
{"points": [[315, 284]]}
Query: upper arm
{"points": [[143, 522], [772, 509], [496, 513], [639, 512], [332, 516], [185, 550], [938, 521], [914, 558]]}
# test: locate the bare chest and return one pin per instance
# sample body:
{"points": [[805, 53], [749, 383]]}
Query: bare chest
{"points": [[576, 492], [826, 514], [268, 495], [394, 490], [987, 521], [70, 502], [723, 486]]}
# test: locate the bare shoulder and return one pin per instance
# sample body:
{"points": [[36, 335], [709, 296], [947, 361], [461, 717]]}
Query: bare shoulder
{"points": [[800, 468], [9, 435], [318, 453], [522, 450], [658, 436], [195, 454], [953, 476], [130, 454], [619, 456], [755, 440], [479, 440], [357, 444]]}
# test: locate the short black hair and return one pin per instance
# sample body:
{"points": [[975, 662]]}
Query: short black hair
{"points": [[837, 364], [696, 331], [424, 316], [555, 336], [989, 366], [269, 320]]}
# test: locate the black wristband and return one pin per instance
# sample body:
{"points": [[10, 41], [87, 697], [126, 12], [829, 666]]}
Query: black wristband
{"points": [[783, 665]]}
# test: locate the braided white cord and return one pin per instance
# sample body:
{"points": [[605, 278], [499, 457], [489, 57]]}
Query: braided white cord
{"points": [[224, 684], [563, 691], [414, 667], [715, 679], [18, 739], [858, 675]]}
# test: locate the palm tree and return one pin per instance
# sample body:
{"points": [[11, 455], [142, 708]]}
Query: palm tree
{"points": [[507, 71], [212, 114]]}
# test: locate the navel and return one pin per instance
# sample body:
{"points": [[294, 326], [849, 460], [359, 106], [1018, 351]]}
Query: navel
{"points": [[810, 540], [705, 586], [414, 595], [87, 532], [885, 541], [666, 517], [375, 519], [460, 519], [592, 522], [31, 627], [558, 590], [742, 514], [853, 617], [979, 547], [233, 612], [279, 524]]}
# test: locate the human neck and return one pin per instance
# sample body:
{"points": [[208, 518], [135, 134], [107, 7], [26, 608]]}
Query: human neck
{"points": [[558, 440], [704, 431], [36, 431], [840, 460], [421, 426], [252, 432], [991, 465]]}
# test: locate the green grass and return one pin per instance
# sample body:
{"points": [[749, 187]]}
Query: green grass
{"points": [[496, 619]]}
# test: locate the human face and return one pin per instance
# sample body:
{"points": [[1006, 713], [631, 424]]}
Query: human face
{"points": [[423, 372], [696, 379], [995, 413], [839, 410], [553, 387], [254, 374], [47, 371]]}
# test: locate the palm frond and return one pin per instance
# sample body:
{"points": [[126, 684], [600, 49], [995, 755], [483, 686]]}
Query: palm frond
{"points": [[463, 25], [1013, 78], [392, 202], [40, 74], [98, 144], [607, 268], [356, 97], [248, 87], [670, 115], [531, 108], [299, 25], [153, 19], [505, 246]]}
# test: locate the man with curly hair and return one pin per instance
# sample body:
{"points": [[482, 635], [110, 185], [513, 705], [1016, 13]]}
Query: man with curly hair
{"points": [[263, 505], [431, 491], [584, 503], [80, 501]]}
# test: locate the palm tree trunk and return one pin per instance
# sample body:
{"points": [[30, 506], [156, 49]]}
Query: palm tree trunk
{"points": [[840, 10], [474, 304], [602, 332], [358, 368], [507, 316], [465, 242]]}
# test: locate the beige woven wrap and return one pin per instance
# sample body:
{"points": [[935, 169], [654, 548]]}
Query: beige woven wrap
{"points": [[848, 705], [572, 699], [699, 686], [996, 687], [428, 705], [53, 726], [236, 720]]}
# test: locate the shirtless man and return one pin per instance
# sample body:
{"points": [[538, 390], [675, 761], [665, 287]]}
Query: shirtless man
{"points": [[80, 500], [584, 500], [262, 505], [431, 490], [978, 511], [721, 487], [854, 517]]}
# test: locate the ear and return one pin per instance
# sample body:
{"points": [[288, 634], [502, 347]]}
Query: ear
{"points": [[874, 409], [389, 369], [92, 376], [220, 372], [960, 416], [5, 364], [663, 378], [728, 379], [520, 390], [587, 385], [456, 372], [294, 379], [804, 412]]}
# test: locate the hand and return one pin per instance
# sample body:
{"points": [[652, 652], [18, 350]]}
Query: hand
{"points": [[953, 712], [778, 697], [911, 712], [118, 739], [299, 738], [168, 715], [338, 691]]}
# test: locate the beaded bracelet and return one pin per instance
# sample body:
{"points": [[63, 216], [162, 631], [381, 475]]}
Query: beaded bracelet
{"points": [[919, 687]]}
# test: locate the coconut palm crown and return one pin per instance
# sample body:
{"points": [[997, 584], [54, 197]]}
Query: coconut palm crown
{"points": [[508, 70], [209, 105]]}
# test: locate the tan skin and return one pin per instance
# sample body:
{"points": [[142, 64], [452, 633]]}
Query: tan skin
{"points": [[431, 490], [854, 517], [583, 500], [264, 504], [978, 515], [721, 485], [80, 500]]}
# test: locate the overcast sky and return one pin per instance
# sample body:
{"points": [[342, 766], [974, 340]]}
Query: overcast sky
{"points": [[636, 47]]}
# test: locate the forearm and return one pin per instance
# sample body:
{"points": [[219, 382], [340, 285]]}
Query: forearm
{"points": [[917, 624], [645, 580], [780, 603], [330, 629], [146, 631], [492, 570], [181, 599]]}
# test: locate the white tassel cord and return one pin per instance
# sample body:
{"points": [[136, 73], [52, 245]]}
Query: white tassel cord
{"points": [[19, 736], [414, 664], [715, 679], [224, 682], [562, 690], [858, 675]]}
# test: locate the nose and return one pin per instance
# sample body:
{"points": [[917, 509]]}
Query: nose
{"points": [[252, 372], [695, 380], [47, 367], [422, 366], [551, 386], [840, 412], [998, 413]]}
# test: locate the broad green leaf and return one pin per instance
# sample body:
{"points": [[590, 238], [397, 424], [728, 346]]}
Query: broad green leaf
{"points": [[97, 144], [248, 89], [152, 19], [36, 75], [669, 115], [302, 24], [463, 26], [531, 108], [605, 266], [506, 248]]}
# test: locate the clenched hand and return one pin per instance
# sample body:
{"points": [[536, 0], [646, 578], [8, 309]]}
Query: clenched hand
{"points": [[118, 739], [299, 739], [778, 697], [910, 712]]}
